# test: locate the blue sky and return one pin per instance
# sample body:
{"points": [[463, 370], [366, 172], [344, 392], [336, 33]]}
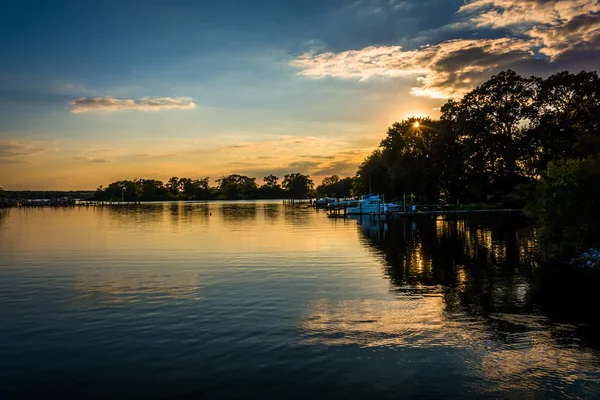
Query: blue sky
{"points": [[92, 92]]}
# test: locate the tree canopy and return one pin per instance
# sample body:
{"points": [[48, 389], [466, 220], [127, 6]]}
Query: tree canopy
{"points": [[336, 187], [237, 186], [229, 187], [298, 186], [565, 204], [490, 143]]}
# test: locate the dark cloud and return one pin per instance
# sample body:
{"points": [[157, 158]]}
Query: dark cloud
{"points": [[341, 168], [92, 159], [305, 165], [315, 157], [236, 146], [156, 155], [11, 149], [244, 163], [14, 161]]}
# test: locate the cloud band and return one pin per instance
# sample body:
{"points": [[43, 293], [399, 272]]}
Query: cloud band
{"points": [[111, 104]]}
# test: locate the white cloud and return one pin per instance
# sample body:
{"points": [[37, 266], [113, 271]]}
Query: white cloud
{"points": [[110, 104], [552, 28], [445, 70]]}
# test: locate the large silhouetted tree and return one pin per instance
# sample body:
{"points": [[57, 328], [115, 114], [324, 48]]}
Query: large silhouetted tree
{"points": [[298, 186], [173, 186], [271, 181], [565, 205], [490, 123], [566, 120], [412, 158], [373, 175], [334, 186], [271, 189], [237, 186]]}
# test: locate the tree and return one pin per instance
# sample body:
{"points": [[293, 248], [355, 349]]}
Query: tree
{"points": [[133, 190], [488, 122], [373, 175], [237, 186], [99, 193], [334, 186], [298, 186], [330, 180], [566, 122], [173, 186], [411, 158], [126, 190], [271, 181], [153, 190], [565, 205], [271, 189], [3, 194], [194, 188]]}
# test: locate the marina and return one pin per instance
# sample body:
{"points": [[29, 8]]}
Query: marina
{"points": [[377, 209]]}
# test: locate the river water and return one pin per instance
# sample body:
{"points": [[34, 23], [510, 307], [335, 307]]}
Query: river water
{"points": [[261, 300]]}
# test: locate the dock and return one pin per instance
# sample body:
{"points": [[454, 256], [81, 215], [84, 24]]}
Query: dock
{"points": [[341, 212], [66, 204]]}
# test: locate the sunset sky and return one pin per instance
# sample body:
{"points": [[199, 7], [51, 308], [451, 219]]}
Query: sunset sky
{"points": [[96, 91]]}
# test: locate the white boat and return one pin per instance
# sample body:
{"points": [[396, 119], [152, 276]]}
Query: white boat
{"points": [[372, 204], [345, 203], [324, 202]]}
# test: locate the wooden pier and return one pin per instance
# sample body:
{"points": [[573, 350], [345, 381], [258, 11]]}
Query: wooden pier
{"points": [[297, 202], [337, 212]]}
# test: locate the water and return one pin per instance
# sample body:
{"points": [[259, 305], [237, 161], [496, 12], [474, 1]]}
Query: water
{"points": [[259, 300]]}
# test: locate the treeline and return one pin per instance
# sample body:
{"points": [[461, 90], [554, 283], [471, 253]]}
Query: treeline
{"points": [[486, 145], [513, 141], [230, 187], [45, 194]]}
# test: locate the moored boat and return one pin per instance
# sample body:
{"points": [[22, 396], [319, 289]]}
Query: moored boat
{"points": [[324, 202], [372, 204]]}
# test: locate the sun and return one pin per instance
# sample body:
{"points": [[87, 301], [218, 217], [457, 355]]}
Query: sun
{"points": [[416, 124]]}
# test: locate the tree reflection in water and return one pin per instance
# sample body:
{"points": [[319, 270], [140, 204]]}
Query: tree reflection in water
{"points": [[468, 290], [485, 266]]}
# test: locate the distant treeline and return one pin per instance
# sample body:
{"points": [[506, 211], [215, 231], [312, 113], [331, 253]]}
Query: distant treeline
{"points": [[513, 141], [230, 187], [45, 194]]}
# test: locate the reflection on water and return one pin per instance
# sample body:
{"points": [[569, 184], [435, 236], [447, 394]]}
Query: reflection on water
{"points": [[415, 320], [235, 212], [229, 299], [272, 213]]}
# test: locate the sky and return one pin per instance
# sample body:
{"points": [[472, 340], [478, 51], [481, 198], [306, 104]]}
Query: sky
{"points": [[97, 91]]}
